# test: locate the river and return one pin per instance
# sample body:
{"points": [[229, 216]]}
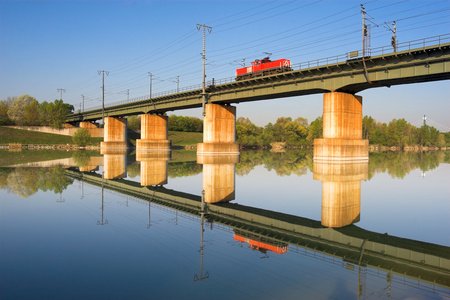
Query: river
{"points": [[270, 226]]}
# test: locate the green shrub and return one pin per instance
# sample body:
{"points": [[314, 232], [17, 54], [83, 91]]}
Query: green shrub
{"points": [[81, 137]]}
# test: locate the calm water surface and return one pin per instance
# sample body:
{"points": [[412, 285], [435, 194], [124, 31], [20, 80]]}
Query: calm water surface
{"points": [[291, 230]]}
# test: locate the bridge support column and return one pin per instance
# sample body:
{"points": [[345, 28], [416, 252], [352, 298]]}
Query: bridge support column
{"points": [[115, 133], [88, 125], [154, 133], [342, 129], [219, 131], [154, 166], [218, 177], [341, 191]]}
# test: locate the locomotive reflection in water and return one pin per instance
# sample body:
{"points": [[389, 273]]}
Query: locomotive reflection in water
{"points": [[260, 243]]}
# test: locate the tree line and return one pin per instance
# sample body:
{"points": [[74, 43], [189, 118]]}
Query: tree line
{"points": [[298, 133], [295, 133], [27, 111], [176, 123]]}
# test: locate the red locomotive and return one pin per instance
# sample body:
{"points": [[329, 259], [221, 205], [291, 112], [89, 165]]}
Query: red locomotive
{"points": [[263, 67]]}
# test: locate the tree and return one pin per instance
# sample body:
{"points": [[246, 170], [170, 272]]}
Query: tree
{"points": [[186, 124], [247, 133], [134, 123], [4, 107], [45, 113], [32, 114], [17, 112], [368, 127], [295, 134], [278, 129], [59, 111], [81, 137], [392, 137], [315, 130]]}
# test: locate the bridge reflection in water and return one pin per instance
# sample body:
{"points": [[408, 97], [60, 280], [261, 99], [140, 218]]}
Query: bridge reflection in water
{"points": [[154, 166], [341, 191], [264, 230]]}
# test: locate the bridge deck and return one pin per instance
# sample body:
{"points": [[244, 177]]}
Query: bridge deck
{"points": [[427, 63]]}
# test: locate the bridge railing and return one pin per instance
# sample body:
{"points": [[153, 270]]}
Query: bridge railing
{"points": [[416, 44], [405, 46], [321, 62]]}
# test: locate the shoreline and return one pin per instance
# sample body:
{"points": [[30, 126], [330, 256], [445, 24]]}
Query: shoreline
{"points": [[68, 147]]}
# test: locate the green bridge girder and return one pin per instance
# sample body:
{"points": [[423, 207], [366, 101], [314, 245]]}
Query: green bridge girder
{"points": [[428, 63], [425, 262]]}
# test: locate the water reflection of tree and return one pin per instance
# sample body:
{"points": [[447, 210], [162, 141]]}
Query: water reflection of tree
{"points": [[399, 164], [133, 170], [283, 163], [27, 181], [82, 158], [396, 164], [287, 163], [182, 169]]}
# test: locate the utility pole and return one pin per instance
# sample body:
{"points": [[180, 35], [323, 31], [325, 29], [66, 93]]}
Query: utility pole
{"points": [[82, 96], [103, 93], [424, 120], [128, 95], [202, 214], [103, 222], [61, 90], [178, 83], [151, 75], [150, 93], [364, 42], [394, 35], [364, 28], [204, 64]]}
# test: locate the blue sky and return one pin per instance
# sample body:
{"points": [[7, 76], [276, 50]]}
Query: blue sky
{"points": [[50, 45]]}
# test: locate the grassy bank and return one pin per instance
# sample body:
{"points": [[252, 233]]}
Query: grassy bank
{"points": [[180, 138], [8, 158], [26, 137]]}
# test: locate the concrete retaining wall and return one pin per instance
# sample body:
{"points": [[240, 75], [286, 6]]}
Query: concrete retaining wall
{"points": [[95, 132]]}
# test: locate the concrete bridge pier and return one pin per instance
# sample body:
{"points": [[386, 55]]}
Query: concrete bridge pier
{"points": [[341, 191], [114, 163], [115, 133], [154, 133], [88, 125], [219, 131], [218, 177], [154, 166], [342, 129]]}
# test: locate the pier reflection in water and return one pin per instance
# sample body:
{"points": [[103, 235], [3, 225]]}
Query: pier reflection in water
{"points": [[218, 177], [341, 191], [317, 261], [154, 166], [115, 163]]}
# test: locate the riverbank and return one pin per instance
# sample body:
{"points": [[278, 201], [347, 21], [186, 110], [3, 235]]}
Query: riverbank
{"points": [[17, 139]]}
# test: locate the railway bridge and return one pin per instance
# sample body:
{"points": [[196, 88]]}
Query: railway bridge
{"points": [[339, 78]]}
